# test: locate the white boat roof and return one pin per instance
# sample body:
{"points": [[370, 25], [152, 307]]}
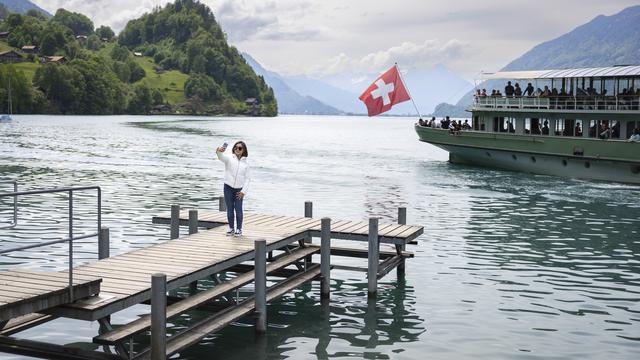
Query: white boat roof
{"points": [[611, 71]]}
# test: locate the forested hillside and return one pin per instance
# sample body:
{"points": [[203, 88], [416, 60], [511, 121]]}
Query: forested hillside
{"points": [[173, 60]]}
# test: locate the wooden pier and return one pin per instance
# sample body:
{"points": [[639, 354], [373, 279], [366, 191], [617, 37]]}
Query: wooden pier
{"points": [[126, 279]]}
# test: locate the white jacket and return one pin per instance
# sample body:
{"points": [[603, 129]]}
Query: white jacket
{"points": [[236, 172]]}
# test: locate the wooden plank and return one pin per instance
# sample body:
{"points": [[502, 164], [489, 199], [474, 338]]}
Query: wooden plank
{"points": [[50, 351], [340, 226], [142, 323], [225, 317], [24, 322], [389, 230], [355, 226], [397, 231]]}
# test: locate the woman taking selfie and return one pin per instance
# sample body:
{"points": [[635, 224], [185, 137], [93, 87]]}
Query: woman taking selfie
{"points": [[236, 183]]}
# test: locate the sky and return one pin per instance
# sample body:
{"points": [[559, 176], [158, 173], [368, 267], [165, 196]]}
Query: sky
{"points": [[329, 38]]}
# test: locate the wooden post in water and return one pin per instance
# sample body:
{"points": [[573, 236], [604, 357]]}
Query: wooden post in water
{"points": [[158, 316], [103, 243], [402, 220], [222, 206], [325, 257], [175, 222], [260, 266], [193, 228], [372, 273], [308, 213]]}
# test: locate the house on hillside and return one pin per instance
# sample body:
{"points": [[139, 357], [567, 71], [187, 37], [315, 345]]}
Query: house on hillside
{"points": [[137, 53], [252, 106], [82, 40], [10, 56], [29, 49], [4, 35], [56, 59]]}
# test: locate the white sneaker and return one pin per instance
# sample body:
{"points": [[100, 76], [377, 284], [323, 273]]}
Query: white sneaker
{"points": [[238, 233], [229, 232]]}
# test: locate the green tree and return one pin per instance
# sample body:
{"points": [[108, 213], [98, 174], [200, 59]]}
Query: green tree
{"points": [[62, 85], [202, 86], [78, 23], [54, 39], [137, 72], [141, 101], [105, 32]]}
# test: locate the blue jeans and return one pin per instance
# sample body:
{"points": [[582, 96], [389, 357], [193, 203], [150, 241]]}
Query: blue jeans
{"points": [[233, 204]]}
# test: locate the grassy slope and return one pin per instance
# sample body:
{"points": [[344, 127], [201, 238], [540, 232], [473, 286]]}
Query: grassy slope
{"points": [[170, 83]]}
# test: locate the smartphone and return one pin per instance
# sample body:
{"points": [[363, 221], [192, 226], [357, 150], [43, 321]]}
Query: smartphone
{"points": [[224, 147]]}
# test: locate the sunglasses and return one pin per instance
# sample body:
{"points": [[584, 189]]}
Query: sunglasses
{"points": [[238, 148]]}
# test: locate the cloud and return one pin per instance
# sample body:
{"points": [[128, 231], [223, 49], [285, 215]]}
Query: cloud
{"points": [[408, 55], [281, 21]]}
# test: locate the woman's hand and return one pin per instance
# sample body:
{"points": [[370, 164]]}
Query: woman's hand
{"points": [[239, 195], [219, 149]]}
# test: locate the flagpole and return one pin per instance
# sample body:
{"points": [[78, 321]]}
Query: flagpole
{"points": [[406, 87]]}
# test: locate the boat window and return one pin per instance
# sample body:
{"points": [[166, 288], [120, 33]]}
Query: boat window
{"points": [[559, 128], [578, 128], [630, 126], [594, 125], [510, 125], [609, 86], [545, 129], [536, 127], [476, 122], [527, 125], [569, 127], [615, 129], [499, 124]]}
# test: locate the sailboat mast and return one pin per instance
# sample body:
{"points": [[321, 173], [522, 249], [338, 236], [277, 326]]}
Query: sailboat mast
{"points": [[10, 104]]}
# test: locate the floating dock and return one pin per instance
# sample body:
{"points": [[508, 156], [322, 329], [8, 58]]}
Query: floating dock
{"points": [[278, 246]]}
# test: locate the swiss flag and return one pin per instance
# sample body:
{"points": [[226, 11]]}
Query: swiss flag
{"points": [[385, 92]]}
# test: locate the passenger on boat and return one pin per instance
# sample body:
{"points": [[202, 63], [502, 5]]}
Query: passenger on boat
{"points": [[508, 90], [494, 93], [535, 127], [484, 93], [635, 137], [605, 133], [546, 92], [578, 130], [511, 128], [529, 89], [517, 91], [466, 125], [545, 128], [421, 122]]}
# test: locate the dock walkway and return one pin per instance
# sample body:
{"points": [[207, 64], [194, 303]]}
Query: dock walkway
{"points": [[125, 278]]}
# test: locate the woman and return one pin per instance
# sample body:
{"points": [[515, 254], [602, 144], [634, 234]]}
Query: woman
{"points": [[236, 183]]}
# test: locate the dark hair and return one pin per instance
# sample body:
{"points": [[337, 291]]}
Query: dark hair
{"points": [[245, 152]]}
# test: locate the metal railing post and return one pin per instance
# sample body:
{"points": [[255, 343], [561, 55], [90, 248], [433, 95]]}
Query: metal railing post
{"points": [[158, 316], [15, 203], [372, 270], [325, 257], [175, 222], [71, 245], [260, 266], [308, 209], [103, 243]]}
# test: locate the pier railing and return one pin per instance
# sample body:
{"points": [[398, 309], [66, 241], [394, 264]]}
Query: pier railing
{"points": [[71, 236], [616, 103]]}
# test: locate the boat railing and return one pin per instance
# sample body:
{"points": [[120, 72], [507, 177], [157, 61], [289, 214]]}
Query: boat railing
{"points": [[616, 103], [71, 236]]}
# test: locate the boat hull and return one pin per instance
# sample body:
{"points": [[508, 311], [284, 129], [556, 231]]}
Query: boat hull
{"points": [[568, 157]]}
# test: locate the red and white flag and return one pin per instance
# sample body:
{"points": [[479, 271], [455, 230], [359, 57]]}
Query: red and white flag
{"points": [[385, 92]]}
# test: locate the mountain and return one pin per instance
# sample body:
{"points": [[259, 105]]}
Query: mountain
{"points": [[289, 100], [603, 41], [22, 6], [329, 94]]}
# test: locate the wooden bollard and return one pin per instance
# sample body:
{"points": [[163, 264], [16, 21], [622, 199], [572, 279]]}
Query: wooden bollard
{"points": [[402, 220], [193, 221], [308, 209], [103, 243], [372, 272], [175, 222], [193, 228], [260, 266], [158, 316], [222, 206], [325, 257]]}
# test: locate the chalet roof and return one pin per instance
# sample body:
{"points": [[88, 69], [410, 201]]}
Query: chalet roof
{"points": [[3, 53], [29, 47], [55, 58], [599, 72]]}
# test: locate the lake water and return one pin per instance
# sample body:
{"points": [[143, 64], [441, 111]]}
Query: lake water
{"points": [[510, 266]]}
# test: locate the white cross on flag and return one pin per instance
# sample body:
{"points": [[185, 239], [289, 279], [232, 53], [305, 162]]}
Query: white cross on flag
{"points": [[385, 92]]}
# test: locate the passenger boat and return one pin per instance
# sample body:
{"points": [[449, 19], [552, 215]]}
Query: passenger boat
{"points": [[579, 127]]}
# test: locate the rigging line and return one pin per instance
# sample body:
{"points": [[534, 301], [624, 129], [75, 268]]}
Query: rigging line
{"points": [[406, 87]]}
